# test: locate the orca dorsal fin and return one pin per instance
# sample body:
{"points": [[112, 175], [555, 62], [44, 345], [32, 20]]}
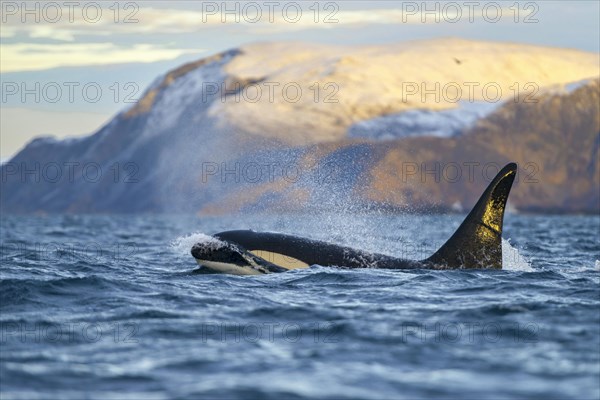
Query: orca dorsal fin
{"points": [[477, 243]]}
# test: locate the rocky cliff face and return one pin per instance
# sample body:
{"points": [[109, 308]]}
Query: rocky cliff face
{"points": [[555, 142], [203, 139]]}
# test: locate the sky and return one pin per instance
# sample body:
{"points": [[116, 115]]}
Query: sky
{"points": [[66, 68]]}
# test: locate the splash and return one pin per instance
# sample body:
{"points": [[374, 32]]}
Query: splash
{"points": [[512, 260], [183, 244]]}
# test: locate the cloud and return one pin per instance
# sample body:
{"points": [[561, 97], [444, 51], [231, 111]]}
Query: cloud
{"points": [[79, 37], [32, 57], [255, 19]]}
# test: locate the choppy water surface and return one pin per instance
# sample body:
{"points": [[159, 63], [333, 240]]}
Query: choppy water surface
{"points": [[112, 306]]}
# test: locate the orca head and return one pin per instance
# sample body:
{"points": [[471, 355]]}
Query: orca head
{"points": [[226, 257], [218, 251]]}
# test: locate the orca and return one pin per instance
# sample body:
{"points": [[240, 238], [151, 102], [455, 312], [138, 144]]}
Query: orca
{"points": [[477, 243]]}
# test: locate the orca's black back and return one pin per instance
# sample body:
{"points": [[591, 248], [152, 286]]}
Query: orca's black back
{"points": [[312, 252]]}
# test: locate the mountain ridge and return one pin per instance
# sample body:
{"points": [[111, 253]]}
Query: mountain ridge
{"points": [[180, 126]]}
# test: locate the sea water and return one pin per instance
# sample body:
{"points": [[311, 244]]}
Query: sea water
{"points": [[115, 307]]}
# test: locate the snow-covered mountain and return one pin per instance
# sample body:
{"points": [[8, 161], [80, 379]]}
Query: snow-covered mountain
{"points": [[224, 133]]}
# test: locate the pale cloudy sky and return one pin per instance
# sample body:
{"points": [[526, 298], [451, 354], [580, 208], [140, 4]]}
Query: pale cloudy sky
{"points": [[67, 67]]}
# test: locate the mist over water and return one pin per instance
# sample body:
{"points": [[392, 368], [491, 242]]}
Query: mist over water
{"points": [[114, 306]]}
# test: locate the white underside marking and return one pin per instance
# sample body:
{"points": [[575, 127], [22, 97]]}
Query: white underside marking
{"points": [[280, 259], [226, 268]]}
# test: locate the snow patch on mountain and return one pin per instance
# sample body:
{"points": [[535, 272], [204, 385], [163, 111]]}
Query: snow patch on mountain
{"points": [[444, 123]]}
